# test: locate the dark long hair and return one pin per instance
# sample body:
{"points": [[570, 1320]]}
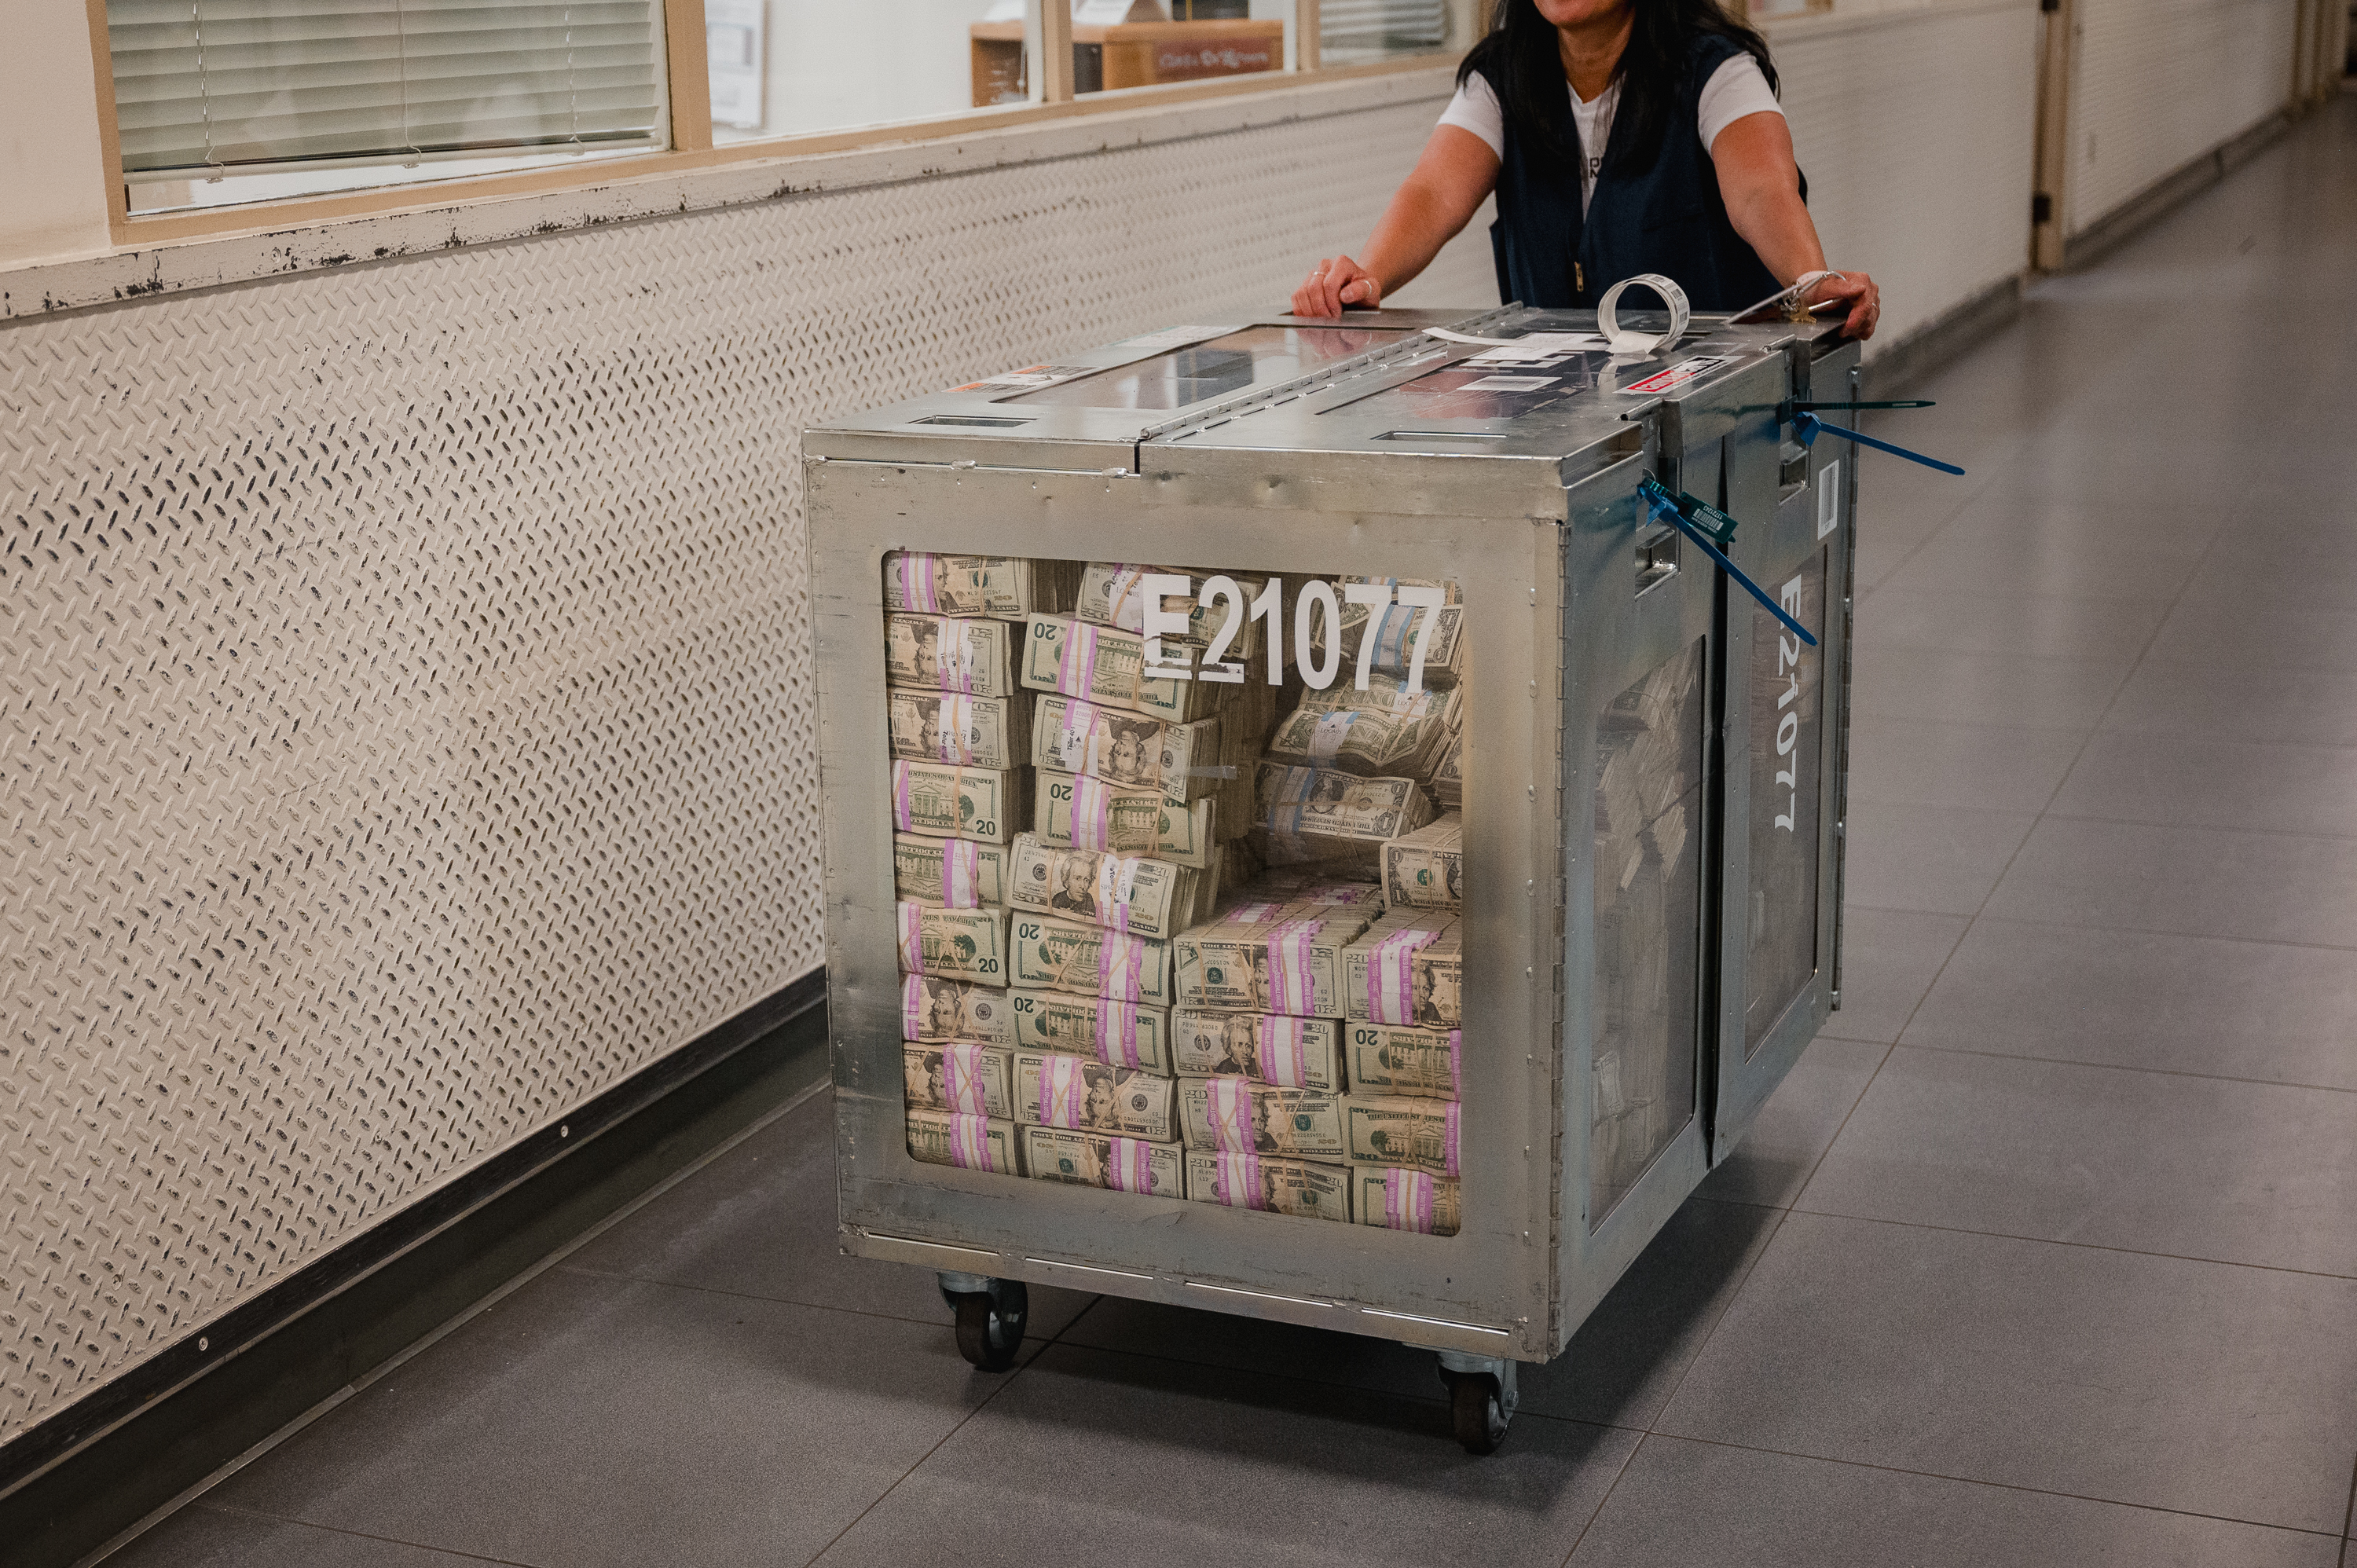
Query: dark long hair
{"points": [[1520, 58]]}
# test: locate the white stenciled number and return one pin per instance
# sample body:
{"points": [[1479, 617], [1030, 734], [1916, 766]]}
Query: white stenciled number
{"points": [[1377, 597], [1315, 596], [1224, 590], [1155, 621], [1270, 608], [1429, 600], [1788, 727]]}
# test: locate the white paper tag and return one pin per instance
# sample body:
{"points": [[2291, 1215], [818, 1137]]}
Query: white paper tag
{"points": [[1174, 336], [1828, 498], [1508, 384], [1539, 346]]}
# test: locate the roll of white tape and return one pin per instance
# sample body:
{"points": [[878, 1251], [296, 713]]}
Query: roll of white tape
{"points": [[1608, 321]]}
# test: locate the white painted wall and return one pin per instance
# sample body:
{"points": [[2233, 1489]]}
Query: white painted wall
{"points": [[53, 178], [2156, 83], [1916, 128]]}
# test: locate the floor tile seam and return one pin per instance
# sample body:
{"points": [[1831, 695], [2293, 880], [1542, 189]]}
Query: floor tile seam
{"points": [[878, 1500], [1933, 533], [452, 1325], [2187, 932], [235, 1511], [1886, 716], [2349, 1513], [1998, 1485], [1973, 725], [2201, 827], [1884, 644], [1710, 1331], [2083, 926], [2083, 1246], [2123, 1067], [1610, 1487]]}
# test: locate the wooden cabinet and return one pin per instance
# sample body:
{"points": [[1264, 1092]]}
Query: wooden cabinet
{"points": [[1129, 54]]}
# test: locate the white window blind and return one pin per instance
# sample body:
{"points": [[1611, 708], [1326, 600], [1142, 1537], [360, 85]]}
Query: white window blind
{"points": [[247, 85], [1394, 24]]}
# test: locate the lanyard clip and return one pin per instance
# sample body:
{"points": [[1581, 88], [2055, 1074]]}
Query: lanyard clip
{"points": [[1671, 511]]}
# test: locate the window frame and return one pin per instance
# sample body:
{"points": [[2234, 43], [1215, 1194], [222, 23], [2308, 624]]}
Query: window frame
{"points": [[688, 90]]}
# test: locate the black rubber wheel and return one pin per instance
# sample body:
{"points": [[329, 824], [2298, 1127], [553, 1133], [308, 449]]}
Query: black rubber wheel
{"points": [[990, 1325], [1479, 1417]]}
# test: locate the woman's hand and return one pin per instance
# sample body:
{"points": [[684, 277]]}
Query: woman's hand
{"points": [[1865, 298], [1335, 283]]}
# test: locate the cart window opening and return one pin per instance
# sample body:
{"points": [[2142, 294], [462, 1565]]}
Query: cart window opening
{"points": [[1257, 356], [1649, 866]]}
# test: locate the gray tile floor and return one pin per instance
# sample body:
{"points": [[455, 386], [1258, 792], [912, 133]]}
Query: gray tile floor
{"points": [[2046, 1254]]}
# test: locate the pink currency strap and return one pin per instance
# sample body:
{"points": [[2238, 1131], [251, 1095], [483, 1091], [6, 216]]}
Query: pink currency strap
{"points": [[1289, 987], [961, 873], [913, 1008], [1062, 1091], [1449, 1150], [912, 938], [1124, 966], [916, 589], [969, 1142], [1077, 669], [1457, 1064], [1283, 1059], [1235, 1179], [1407, 1201], [1129, 1164], [1228, 1111], [1116, 1033], [962, 1079], [1390, 972]]}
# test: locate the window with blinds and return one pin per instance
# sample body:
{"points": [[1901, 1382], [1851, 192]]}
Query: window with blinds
{"points": [[1354, 27], [212, 87]]}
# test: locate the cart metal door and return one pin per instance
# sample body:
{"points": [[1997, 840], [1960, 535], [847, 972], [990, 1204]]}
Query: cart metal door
{"points": [[1639, 662], [1786, 728]]}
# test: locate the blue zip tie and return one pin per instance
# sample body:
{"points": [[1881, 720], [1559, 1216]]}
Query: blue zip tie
{"points": [[1658, 500], [1806, 426]]}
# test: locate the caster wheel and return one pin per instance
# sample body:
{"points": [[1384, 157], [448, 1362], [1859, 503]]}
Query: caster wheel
{"points": [[990, 1324], [1474, 1407]]}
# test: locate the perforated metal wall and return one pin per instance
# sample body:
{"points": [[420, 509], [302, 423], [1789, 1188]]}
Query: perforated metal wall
{"points": [[2156, 83], [407, 719]]}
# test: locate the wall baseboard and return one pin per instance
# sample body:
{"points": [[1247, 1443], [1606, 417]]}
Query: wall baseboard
{"points": [[75, 1481], [2170, 192], [1950, 334]]}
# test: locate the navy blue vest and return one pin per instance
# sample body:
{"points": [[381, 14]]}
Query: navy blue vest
{"points": [[1668, 219]]}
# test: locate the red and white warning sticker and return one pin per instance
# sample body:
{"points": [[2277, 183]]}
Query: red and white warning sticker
{"points": [[1677, 375]]}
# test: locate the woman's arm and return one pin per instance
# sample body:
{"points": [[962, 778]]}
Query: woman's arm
{"points": [[1439, 196], [1760, 184]]}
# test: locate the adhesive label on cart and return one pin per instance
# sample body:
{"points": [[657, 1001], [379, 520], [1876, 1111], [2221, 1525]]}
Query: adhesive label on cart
{"points": [[1031, 376], [1509, 384], [1677, 375], [1828, 498]]}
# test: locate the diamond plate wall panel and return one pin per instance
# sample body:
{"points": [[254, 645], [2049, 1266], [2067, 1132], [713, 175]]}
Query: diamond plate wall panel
{"points": [[2156, 83], [407, 699]]}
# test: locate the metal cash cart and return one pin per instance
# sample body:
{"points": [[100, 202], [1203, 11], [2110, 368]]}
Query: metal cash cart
{"points": [[1616, 697]]}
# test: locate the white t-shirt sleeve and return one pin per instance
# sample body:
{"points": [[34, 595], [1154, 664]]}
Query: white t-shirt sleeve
{"points": [[1476, 109], [1735, 90]]}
